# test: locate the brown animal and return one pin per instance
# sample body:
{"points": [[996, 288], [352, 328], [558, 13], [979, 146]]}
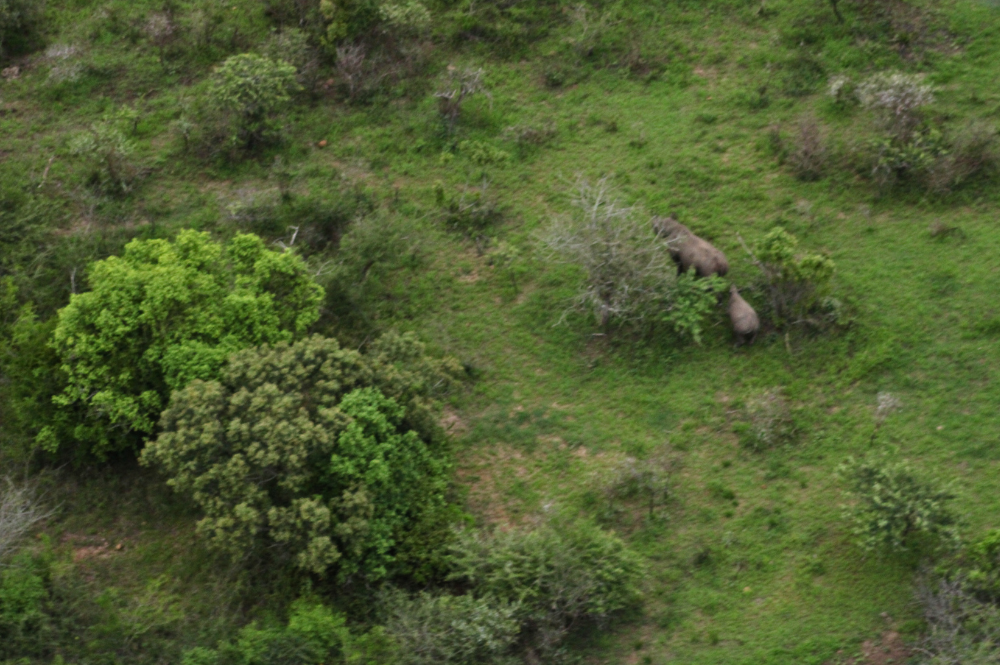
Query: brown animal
{"points": [[690, 251], [745, 321]]}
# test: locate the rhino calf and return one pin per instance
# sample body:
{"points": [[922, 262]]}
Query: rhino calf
{"points": [[745, 321], [690, 251]]}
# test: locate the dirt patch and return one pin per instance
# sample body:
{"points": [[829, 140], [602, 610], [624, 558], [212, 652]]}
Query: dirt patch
{"points": [[452, 423], [888, 649]]}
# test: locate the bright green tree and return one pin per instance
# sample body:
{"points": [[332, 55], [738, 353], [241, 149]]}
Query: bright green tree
{"points": [[327, 456], [165, 313], [251, 90]]}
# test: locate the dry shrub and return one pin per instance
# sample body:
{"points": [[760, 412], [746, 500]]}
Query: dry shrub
{"points": [[629, 273], [768, 421], [457, 87], [809, 157], [20, 511], [531, 135], [973, 151], [646, 483]]}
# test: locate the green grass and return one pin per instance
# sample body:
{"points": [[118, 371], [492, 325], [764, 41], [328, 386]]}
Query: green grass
{"points": [[768, 576]]}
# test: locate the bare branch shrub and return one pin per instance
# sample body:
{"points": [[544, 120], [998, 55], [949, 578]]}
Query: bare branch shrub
{"points": [[646, 481], [897, 99], [458, 86], [768, 421], [973, 150], [531, 135], [629, 273], [160, 30], [809, 157], [351, 68], [961, 629], [20, 511]]}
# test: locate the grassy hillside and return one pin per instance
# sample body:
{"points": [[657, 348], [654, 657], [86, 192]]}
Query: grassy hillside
{"points": [[688, 107]]}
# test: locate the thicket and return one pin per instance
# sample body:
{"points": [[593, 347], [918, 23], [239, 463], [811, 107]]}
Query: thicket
{"points": [[162, 314], [326, 458]]}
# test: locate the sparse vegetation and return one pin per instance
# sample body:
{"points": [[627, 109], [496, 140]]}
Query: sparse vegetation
{"points": [[420, 400]]}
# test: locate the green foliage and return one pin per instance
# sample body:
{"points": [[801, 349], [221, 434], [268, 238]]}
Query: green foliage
{"points": [[693, 301], [24, 623], [313, 635], [508, 27], [561, 574], [483, 154], [796, 284], [107, 155], [19, 24], [473, 212], [330, 455], [165, 313], [250, 91], [892, 506], [431, 629]]}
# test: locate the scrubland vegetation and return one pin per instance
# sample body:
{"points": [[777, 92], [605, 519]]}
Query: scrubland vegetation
{"points": [[340, 331]]}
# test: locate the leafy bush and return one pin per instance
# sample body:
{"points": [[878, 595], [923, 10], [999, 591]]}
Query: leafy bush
{"points": [[430, 629], [360, 284], [313, 635], [249, 91], [107, 153], [165, 313], [796, 285], [19, 24], [768, 422], [893, 506], [25, 626], [692, 300], [324, 456], [473, 212], [629, 273], [291, 45], [562, 575]]}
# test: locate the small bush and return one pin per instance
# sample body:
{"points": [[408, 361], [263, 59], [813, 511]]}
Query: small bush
{"points": [[430, 629], [894, 507], [897, 101], [808, 159], [629, 275], [313, 635], [796, 285], [20, 512], [457, 87], [563, 574], [972, 150], [25, 626], [291, 45], [473, 212], [648, 482], [249, 91], [692, 300], [20, 21], [107, 154], [768, 422]]}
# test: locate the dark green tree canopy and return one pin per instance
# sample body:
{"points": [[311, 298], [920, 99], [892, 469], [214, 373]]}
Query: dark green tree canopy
{"points": [[323, 454], [167, 312]]}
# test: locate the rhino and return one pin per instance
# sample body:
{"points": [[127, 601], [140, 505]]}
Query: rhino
{"points": [[745, 321], [690, 251]]}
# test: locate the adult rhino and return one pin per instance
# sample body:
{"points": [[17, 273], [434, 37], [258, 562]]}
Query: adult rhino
{"points": [[690, 251]]}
